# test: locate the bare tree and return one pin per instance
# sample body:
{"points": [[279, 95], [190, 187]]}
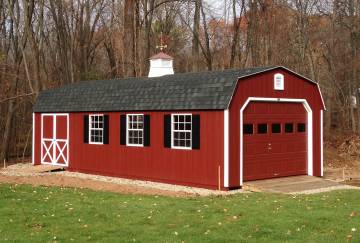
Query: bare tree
{"points": [[129, 39]]}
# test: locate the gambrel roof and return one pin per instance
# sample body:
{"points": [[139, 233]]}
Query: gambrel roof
{"points": [[184, 91]]}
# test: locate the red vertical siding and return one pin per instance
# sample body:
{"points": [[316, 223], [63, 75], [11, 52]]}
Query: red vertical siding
{"points": [[262, 85], [155, 163]]}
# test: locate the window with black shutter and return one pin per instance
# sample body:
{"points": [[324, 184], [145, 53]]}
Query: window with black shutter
{"points": [[195, 130], [135, 129], [106, 130], [185, 131], [167, 131], [86, 128], [123, 129], [146, 130], [98, 129]]}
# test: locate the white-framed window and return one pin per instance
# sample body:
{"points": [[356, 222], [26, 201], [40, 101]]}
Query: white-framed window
{"points": [[96, 129], [135, 129], [181, 131], [279, 81]]}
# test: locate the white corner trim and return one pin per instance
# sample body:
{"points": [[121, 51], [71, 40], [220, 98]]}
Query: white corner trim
{"points": [[33, 140], [309, 134], [226, 148], [321, 142]]}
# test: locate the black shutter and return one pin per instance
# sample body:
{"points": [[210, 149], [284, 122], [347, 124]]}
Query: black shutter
{"points": [[147, 130], [123, 129], [167, 131], [86, 128], [195, 132], [106, 130]]}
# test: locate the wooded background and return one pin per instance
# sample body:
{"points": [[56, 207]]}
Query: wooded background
{"points": [[48, 43]]}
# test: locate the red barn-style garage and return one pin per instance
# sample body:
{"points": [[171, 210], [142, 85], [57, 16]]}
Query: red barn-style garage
{"points": [[213, 129]]}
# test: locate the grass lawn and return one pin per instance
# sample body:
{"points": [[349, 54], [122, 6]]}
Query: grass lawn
{"points": [[66, 214]]}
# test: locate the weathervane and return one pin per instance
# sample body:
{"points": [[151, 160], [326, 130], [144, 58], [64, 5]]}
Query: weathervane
{"points": [[161, 46]]}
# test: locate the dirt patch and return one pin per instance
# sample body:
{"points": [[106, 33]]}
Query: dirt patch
{"points": [[26, 173], [62, 181], [342, 157]]}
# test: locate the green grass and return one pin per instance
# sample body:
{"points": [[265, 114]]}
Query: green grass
{"points": [[66, 214]]}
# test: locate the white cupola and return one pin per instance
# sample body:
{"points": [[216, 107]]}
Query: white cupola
{"points": [[161, 64]]}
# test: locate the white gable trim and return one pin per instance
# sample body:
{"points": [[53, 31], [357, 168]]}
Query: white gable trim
{"points": [[309, 130]]}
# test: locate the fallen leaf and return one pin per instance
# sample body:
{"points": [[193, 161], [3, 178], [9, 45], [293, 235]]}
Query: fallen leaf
{"points": [[353, 214]]}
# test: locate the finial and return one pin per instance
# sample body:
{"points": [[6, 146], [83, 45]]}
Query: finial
{"points": [[161, 46]]}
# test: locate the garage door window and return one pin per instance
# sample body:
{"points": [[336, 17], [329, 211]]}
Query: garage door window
{"points": [[262, 128], [276, 128], [248, 129], [289, 128], [301, 127]]}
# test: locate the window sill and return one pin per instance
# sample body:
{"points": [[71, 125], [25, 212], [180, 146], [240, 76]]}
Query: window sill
{"points": [[181, 148], [135, 145], [96, 143]]}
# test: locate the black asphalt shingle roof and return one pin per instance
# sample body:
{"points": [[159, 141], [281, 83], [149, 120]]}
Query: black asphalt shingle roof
{"points": [[183, 91]]}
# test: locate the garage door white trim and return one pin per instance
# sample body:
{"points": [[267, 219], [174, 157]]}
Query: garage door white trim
{"points": [[309, 134], [322, 142]]}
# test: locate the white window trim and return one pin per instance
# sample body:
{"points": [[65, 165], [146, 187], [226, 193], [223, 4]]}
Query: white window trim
{"points": [[127, 131], [282, 84], [98, 143], [173, 130]]}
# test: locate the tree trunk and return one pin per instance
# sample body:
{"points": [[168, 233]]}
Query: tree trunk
{"points": [[195, 40], [208, 55], [129, 38], [7, 131]]}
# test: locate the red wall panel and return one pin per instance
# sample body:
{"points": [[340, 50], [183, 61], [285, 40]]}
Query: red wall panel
{"points": [[155, 163], [262, 85]]}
